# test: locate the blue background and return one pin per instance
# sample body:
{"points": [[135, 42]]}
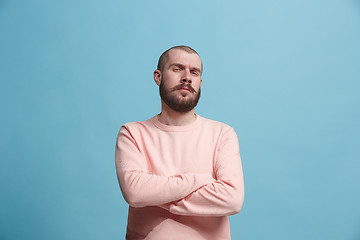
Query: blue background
{"points": [[284, 74]]}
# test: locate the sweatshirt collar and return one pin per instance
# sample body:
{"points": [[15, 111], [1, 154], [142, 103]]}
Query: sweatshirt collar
{"points": [[169, 128]]}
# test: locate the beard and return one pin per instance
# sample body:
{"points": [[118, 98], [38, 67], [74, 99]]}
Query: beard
{"points": [[177, 103]]}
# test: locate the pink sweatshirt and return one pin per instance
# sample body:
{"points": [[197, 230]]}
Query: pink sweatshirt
{"points": [[181, 182]]}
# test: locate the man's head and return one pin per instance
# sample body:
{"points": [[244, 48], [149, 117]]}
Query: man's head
{"points": [[164, 56], [179, 78]]}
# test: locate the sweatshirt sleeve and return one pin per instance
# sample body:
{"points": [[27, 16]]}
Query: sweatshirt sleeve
{"points": [[141, 188], [223, 197]]}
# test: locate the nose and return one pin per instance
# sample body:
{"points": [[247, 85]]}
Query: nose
{"points": [[186, 78]]}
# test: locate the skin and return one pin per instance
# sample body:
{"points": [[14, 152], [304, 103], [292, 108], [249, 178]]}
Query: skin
{"points": [[180, 67]]}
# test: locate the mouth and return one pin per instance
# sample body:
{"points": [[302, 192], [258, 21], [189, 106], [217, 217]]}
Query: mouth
{"points": [[185, 87]]}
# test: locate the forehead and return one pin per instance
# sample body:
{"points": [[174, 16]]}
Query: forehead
{"points": [[184, 58]]}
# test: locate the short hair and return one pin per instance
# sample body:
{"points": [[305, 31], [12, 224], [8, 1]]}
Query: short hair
{"points": [[164, 56]]}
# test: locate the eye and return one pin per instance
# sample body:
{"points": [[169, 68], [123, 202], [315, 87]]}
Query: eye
{"points": [[195, 73]]}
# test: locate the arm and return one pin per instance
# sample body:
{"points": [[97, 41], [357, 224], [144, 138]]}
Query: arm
{"points": [[141, 188], [223, 197]]}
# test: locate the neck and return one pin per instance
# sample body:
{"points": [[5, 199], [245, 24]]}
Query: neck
{"points": [[172, 118]]}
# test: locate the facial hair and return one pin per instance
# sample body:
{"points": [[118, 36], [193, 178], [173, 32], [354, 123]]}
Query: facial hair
{"points": [[177, 103]]}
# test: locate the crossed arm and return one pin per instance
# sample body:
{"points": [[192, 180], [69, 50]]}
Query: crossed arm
{"points": [[184, 194]]}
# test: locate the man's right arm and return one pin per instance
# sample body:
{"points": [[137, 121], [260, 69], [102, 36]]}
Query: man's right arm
{"points": [[141, 188]]}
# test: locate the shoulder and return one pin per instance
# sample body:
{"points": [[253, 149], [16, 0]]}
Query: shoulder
{"points": [[138, 126], [223, 134], [227, 139], [215, 125]]}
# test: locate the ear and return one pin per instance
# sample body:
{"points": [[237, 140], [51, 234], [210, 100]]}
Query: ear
{"points": [[157, 77], [200, 82]]}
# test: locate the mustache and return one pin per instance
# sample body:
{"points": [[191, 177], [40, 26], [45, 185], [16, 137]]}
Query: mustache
{"points": [[184, 85]]}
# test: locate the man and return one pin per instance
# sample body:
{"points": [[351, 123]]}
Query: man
{"points": [[180, 173]]}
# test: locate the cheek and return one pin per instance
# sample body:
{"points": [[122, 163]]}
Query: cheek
{"points": [[169, 78], [197, 84]]}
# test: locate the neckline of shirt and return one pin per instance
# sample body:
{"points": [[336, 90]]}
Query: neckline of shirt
{"points": [[168, 128]]}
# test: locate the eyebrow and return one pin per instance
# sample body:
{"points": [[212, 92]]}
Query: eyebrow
{"points": [[176, 64], [181, 65], [197, 69]]}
